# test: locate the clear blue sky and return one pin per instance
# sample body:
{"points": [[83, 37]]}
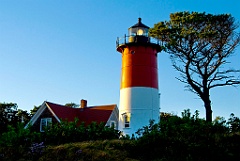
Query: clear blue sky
{"points": [[63, 51]]}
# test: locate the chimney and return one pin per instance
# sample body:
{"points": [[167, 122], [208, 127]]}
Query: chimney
{"points": [[83, 103]]}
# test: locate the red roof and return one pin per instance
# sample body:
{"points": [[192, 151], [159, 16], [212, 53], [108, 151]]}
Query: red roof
{"points": [[88, 114]]}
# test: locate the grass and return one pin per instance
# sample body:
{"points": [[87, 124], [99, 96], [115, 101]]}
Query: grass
{"points": [[89, 151]]}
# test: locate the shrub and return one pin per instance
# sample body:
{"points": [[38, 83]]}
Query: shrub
{"points": [[69, 132], [188, 138]]}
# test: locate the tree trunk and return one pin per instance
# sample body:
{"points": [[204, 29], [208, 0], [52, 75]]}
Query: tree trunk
{"points": [[208, 108]]}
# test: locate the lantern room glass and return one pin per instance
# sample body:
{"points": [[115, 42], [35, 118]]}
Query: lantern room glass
{"points": [[138, 31]]}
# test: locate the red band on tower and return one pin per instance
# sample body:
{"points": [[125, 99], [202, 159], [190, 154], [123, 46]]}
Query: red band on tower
{"points": [[139, 67]]}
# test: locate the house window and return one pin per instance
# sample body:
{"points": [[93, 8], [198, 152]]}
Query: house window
{"points": [[45, 123], [126, 119], [113, 124]]}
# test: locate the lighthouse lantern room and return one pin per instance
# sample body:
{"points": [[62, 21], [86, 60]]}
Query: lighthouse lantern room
{"points": [[139, 94]]}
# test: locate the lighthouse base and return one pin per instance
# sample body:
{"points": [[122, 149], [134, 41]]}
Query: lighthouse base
{"points": [[138, 105]]}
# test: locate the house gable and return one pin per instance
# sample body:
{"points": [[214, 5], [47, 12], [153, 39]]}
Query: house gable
{"points": [[113, 118], [45, 114], [42, 111]]}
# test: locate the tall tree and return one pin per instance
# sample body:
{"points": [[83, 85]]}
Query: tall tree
{"points": [[8, 115], [34, 110], [199, 45], [73, 105], [23, 116]]}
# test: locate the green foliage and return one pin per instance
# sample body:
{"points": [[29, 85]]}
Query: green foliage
{"points": [[23, 116], [19, 136], [184, 26], [8, 116], [34, 110], [189, 138], [174, 138], [234, 123], [16, 142], [199, 45], [27, 144], [89, 151], [73, 105], [67, 132]]}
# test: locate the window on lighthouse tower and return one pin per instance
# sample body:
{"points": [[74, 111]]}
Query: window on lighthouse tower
{"points": [[126, 118]]}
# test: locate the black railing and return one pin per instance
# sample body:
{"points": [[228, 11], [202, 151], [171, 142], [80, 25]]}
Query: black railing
{"points": [[136, 39]]}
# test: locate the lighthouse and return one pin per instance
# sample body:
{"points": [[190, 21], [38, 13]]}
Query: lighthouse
{"points": [[139, 93]]}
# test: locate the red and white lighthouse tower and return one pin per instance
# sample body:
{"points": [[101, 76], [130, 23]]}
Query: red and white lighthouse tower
{"points": [[139, 95]]}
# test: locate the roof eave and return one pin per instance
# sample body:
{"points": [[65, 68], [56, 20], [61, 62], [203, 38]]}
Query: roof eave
{"points": [[53, 113], [36, 115]]}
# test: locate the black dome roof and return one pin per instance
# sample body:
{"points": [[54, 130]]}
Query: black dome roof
{"points": [[139, 24]]}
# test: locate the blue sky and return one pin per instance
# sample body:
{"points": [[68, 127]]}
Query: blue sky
{"points": [[63, 51]]}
